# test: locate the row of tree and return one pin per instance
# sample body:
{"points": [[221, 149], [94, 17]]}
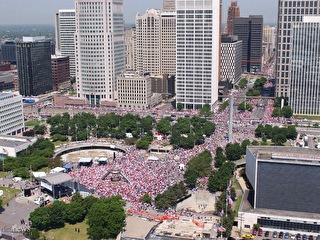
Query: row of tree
{"points": [[170, 197], [257, 87], [35, 157], [277, 135], [105, 216], [198, 166]]}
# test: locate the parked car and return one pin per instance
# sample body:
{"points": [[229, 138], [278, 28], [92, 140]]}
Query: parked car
{"points": [[254, 232], [281, 235], [275, 234], [310, 237], [304, 237], [298, 236], [260, 232], [286, 235], [266, 234], [247, 236], [318, 237]]}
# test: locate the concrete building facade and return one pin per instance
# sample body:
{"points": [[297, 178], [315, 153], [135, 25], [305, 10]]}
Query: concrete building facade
{"points": [[169, 5], [289, 13], [134, 90], [65, 27], [130, 41], [231, 54], [198, 52], [249, 30], [34, 66], [60, 71], [8, 51], [305, 69], [148, 54], [11, 114], [100, 49]]}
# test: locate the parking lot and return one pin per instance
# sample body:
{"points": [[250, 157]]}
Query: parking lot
{"points": [[269, 234]]}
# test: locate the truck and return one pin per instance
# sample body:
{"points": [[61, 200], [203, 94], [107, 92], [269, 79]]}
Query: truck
{"points": [[28, 100]]}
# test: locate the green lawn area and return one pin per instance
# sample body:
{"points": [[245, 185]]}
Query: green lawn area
{"points": [[236, 186], [57, 143], [307, 117], [68, 232], [8, 194], [270, 143], [32, 123], [4, 174], [238, 202]]}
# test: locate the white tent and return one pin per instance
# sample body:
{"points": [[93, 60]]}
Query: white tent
{"points": [[38, 174], [58, 169], [181, 166], [153, 158]]}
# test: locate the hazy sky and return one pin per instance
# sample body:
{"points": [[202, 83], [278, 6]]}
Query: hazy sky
{"points": [[42, 11]]}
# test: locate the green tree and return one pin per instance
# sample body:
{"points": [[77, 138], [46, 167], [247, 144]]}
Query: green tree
{"points": [[21, 172], [33, 233], [291, 132], [205, 110], [75, 212], [146, 198], [233, 151], [286, 111], [279, 139], [243, 83], [276, 112], [106, 218], [39, 129], [244, 145], [179, 106]]}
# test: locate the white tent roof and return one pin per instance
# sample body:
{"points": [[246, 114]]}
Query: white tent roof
{"points": [[57, 169], [103, 159], [39, 174], [152, 157], [85, 160]]}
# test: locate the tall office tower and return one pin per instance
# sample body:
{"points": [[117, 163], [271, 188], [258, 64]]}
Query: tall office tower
{"points": [[34, 66], [249, 30], [289, 13], [169, 5], [305, 72], [231, 53], [268, 43], [8, 49], [148, 41], [65, 27], [233, 12], [100, 49], [11, 114], [198, 52], [130, 40], [168, 43]]}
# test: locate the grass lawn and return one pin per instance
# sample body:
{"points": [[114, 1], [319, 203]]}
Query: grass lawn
{"points": [[236, 186], [307, 117], [4, 174], [238, 202], [32, 123], [68, 232], [8, 194]]}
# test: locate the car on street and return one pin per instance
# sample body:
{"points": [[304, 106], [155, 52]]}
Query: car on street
{"points": [[304, 237], [318, 237], [298, 236], [281, 235], [275, 234], [247, 236], [286, 235], [254, 232], [266, 234], [260, 232], [310, 237]]}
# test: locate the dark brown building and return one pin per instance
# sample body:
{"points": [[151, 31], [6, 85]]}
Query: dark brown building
{"points": [[60, 71], [233, 12]]}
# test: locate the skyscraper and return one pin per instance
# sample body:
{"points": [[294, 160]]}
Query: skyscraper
{"points": [[198, 52], [8, 49], [168, 43], [148, 41], [100, 49], [169, 5], [233, 12], [34, 66], [130, 42], [65, 27], [305, 72], [249, 30], [289, 13]]}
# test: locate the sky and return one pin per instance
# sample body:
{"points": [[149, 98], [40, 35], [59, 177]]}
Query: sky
{"points": [[42, 11]]}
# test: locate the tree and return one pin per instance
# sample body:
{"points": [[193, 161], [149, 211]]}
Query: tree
{"points": [[40, 218], [179, 106], [243, 83], [276, 112], [279, 139], [291, 132], [106, 218], [146, 198], [205, 110], [39, 129], [75, 212], [233, 151], [244, 145], [33, 233], [286, 111]]}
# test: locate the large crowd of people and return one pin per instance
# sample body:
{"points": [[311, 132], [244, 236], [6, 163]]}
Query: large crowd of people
{"points": [[155, 176]]}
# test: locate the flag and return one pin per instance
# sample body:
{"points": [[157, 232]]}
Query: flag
{"points": [[220, 228], [5, 150], [230, 201]]}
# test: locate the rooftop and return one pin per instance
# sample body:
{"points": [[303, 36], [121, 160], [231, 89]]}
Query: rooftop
{"points": [[57, 178]]}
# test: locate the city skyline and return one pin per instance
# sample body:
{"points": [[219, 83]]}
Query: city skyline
{"points": [[43, 11]]}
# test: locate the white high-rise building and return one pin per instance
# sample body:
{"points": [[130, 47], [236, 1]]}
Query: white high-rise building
{"points": [[130, 42], [169, 5], [198, 52], [168, 43], [289, 13], [65, 27], [305, 85], [11, 114], [100, 49], [148, 42]]}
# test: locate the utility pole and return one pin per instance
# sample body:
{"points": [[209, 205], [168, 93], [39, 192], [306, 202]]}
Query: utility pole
{"points": [[240, 217], [230, 117]]}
